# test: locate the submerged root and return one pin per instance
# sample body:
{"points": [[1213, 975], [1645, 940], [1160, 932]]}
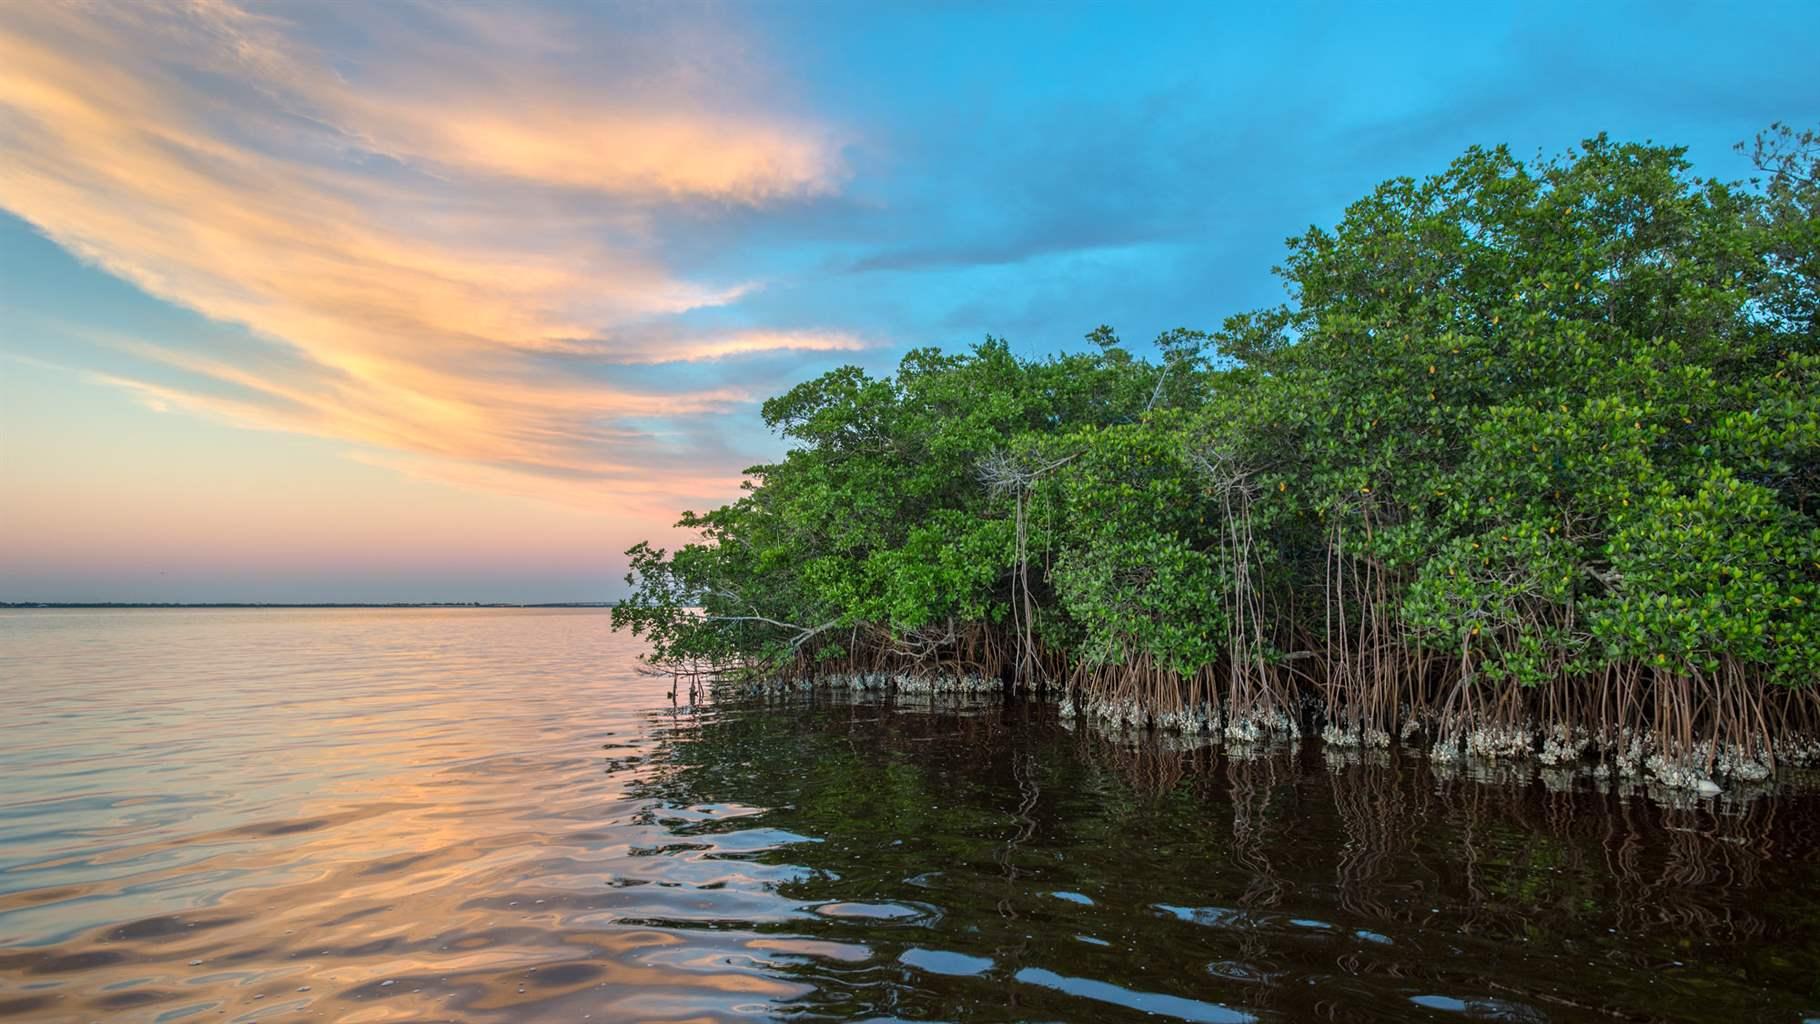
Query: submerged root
{"points": [[877, 683], [1565, 744], [1364, 737], [1259, 726], [1186, 722], [1114, 713], [1629, 754], [1501, 741], [1799, 751], [1686, 732], [1675, 773], [1699, 768], [971, 685]]}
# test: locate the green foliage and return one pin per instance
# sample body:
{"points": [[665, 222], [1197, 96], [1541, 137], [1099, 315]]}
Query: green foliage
{"points": [[1541, 421], [1135, 566]]}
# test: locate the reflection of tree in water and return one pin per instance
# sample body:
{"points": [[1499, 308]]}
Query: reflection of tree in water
{"points": [[925, 814], [1672, 866], [980, 817], [1023, 770], [1253, 781], [1644, 867], [1379, 811]]}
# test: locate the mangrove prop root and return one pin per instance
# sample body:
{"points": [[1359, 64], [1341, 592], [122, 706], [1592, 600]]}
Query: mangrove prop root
{"points": [[1683, 730]]}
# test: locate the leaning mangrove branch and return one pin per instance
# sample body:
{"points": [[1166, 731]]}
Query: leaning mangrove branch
{"points": [[1525, 467]]}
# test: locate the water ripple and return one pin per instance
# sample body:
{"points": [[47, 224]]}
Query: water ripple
{"points": [[492, 815]]}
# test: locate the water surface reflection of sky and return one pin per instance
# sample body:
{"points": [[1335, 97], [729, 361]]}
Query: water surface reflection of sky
{"points": [[490, 815]]}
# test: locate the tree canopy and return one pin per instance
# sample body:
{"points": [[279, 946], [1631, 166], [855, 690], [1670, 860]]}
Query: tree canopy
{"points": [[1532, 447]]}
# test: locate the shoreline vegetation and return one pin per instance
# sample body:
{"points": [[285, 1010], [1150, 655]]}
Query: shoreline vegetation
{"points": [[1526, 467], [5, 605]]}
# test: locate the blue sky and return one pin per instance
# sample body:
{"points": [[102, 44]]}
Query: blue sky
{"points": [[409, 301]]}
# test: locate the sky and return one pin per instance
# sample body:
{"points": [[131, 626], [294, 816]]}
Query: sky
{"points": [[440, 302]]}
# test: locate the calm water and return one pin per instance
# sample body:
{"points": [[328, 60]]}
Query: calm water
{"points": [[490, 815]]}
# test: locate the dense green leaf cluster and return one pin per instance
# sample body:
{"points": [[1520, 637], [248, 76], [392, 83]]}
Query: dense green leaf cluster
{"points": [[1536, 424]]}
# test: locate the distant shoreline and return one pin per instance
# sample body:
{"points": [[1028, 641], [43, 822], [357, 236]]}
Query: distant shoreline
{"points": [[304, 604]]}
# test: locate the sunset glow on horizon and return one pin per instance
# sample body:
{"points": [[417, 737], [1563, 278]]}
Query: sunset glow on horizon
{"points": [[310, 302]]}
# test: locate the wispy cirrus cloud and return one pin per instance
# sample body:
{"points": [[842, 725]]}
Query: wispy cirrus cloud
{"points": [[407, 215], [694, 348]]}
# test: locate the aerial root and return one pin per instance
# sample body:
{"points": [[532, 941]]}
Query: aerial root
{"points": [[1681, 731]]}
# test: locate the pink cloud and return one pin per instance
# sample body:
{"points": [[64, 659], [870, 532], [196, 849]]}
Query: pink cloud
{"points": [[409, 233]]}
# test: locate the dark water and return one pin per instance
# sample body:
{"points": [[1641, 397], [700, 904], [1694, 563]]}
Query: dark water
{"points": [[489, 815]]}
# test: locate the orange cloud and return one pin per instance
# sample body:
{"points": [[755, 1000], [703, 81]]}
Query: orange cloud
{"points": [[415, 237]]}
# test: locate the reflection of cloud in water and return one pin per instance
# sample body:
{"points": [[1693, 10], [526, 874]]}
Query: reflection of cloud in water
{"points": [[546, 839], [1144, 1002]]}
